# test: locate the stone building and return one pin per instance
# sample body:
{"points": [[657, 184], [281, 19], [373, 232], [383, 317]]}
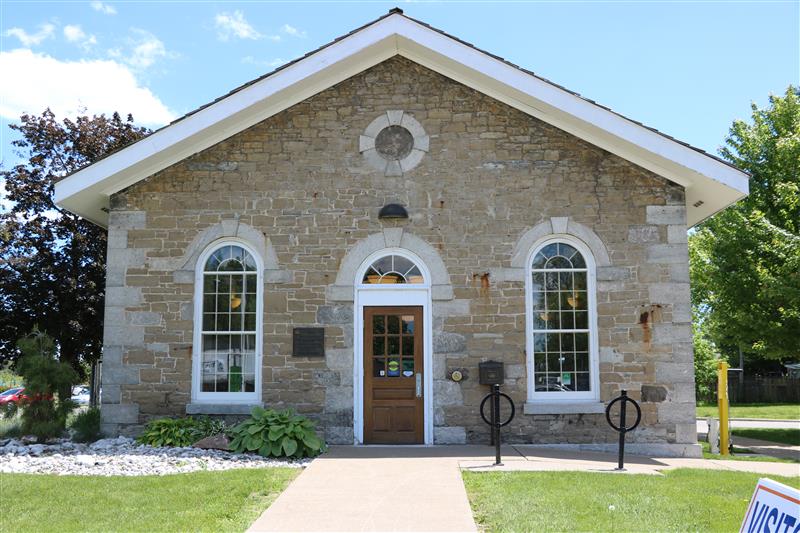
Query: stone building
{"points": [[353, 233]]}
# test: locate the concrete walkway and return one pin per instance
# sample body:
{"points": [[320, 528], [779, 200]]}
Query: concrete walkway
{"points": [[418, 488], [374, 489], [532, 458], [763, 447], [758, 446], [702, 424]]}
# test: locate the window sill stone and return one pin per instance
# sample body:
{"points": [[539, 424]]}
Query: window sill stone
{"points": [[220, 408], [564, 408]]}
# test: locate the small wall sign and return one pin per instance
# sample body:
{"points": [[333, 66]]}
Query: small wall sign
{"points": [[308, 342], [773, 507]]}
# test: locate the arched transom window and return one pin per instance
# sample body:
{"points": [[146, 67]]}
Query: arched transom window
{"points": [[561, 299], [230, 324], [392, 269]]}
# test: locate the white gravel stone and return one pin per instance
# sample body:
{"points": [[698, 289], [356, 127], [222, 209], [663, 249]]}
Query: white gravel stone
{"points": [[124, 457]]}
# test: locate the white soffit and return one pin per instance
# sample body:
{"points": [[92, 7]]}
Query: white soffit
{"points": [[710, 184]]}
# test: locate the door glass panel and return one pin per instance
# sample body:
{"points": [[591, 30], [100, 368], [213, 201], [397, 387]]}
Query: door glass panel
{"points": [[378, 346], [393, 347], [393, 344], [393, 367], [408, 367], [408, 345]]}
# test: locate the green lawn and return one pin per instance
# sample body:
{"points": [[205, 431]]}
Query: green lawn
{"points": [[773, 411], [784, 436], [200, 501], [680, 500]]}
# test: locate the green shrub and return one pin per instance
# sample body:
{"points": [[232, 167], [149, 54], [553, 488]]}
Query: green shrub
{"points": [[9, 410], [10, 428], [208, 427], [86, 425], [180, 432], [48, 385], [276, 434]]}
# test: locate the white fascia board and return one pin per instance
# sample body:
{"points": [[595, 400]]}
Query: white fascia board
{"points": [[227, 117], [569, 104], [715, 194], [395, 34]]}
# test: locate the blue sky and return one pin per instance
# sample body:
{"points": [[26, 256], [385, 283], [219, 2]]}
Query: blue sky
{"points": [[686, 68]]}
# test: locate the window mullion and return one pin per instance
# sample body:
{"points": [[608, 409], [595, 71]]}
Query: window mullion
{"points": [[568, 368], [229, 366]]}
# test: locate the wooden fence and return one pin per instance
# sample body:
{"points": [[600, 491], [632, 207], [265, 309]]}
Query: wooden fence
{"points": [[763, 390]]}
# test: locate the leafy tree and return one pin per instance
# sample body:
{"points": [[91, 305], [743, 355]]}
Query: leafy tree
{"points": [[52, 262], [745, 261], [706, 358]]}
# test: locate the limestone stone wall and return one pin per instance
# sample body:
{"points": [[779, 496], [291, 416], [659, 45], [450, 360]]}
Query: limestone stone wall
{"points": [[296, 187]]}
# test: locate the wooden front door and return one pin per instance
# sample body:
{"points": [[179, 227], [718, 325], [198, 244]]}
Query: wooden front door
{"points": [[393, 375]]}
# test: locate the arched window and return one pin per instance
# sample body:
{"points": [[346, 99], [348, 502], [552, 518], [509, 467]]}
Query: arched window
{"points": [[561, 321], [230, 294], [393, 269]]}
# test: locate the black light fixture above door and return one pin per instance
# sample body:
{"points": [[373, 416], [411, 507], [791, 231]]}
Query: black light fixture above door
{"points": [[393, 211]]}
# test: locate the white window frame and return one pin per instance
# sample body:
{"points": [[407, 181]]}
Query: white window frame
{"points": [[198, 395], [592, 395]]}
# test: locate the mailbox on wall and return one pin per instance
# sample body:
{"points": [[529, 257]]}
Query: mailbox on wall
{"points": [[491, 373]]}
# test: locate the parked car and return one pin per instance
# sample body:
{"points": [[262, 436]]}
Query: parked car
{"points": [[17, 395], [81, 395], [13, 395]]}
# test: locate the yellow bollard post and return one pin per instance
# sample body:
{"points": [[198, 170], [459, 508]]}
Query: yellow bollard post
{"points": [[722, 404]]}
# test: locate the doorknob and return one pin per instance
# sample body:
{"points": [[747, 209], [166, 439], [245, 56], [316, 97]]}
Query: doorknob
{"points": [[419, 385]]}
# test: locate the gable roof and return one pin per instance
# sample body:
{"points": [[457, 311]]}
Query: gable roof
{"points": [[711, 183]]}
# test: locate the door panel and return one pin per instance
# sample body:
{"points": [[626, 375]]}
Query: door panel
{"points": [[393, 411]]}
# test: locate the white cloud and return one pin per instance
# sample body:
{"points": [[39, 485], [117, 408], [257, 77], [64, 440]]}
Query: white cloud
{"points": [[144, 49], [234, 25], [147, 49], [99, 86], [291, 30], [103, 8], [74, 34], [31, 39]]}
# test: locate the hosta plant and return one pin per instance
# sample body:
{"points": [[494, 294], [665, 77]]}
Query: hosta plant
{"points": [[180, 432], [272, 433]]}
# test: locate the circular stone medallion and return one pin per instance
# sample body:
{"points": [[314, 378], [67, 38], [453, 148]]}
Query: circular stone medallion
{"points": [[394, 143]]}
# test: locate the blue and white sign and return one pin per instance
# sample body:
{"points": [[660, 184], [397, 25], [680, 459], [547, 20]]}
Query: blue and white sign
{"points": [[774, 508]]}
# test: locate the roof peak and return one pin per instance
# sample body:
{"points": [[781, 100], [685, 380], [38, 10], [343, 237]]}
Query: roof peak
{"points": [[711, 183]]}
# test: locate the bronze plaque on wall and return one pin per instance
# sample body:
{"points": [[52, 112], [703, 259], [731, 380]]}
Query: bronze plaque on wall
{"points": [[308, 342]]}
